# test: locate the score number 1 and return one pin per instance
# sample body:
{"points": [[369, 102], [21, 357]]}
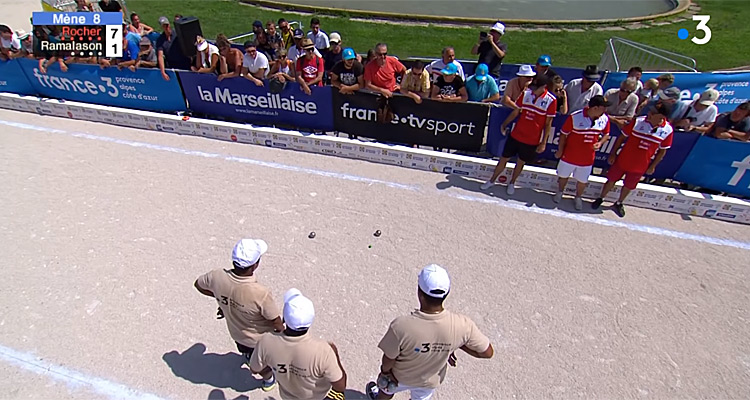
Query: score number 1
{"points": [[114, 41]]}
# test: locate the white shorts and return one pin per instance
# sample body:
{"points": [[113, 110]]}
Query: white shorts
{"points": [[416, 393], [566, 170]]}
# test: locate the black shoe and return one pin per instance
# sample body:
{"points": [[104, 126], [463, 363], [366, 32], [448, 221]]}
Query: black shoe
{"points": [[597, 203], [371, 390], [619, 209]]}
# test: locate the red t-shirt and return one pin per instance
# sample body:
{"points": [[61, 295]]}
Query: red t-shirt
{"points": [[385, 76], [310, 68], [534, 112], [642, 143], [581, 133]]}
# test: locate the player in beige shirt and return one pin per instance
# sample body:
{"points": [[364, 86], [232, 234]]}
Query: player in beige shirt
{"points": [[305, 367], [247, 305], [417, 348]]}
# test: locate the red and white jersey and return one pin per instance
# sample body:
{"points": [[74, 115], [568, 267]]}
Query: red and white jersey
{"points": [[642, 143], [582, 133], [533, 119]]}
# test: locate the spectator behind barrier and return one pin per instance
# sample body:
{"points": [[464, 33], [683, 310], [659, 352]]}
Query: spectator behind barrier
{"points": [[9, 43], [27, 44], [449, 87], [334, 55], [580, 91], [254, 64], [544, 66], [287, 35], [732, 125], [309, 68], [147, 55], [448, 56], [636, 73], [697, 115], [84, 6], [663, 81], [622, 102], [381, 74], [479, 88], [257, 28], [207, 59], [282, 68], [490, 49], [516, 86], [318, 37], [348, 74], [263, 46], [650, 87], [230, 63], [113, 6], [416, 82], [168, 50], [274, 37], [669, 95], [136, 26], [48, 57], [297, 50], [556, 87]]}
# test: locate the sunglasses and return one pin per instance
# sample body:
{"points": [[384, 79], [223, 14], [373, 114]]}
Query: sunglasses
{"points": [[627, 91], [310, 50], [382, 54]]}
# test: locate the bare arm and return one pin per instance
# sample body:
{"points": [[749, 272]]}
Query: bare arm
{"points": [[495, 97], [547, 133], [485, 354], [507, 101], [618, 143], [659, 156], [498, 51], [510, 118], [561, 146], [204, 292]]}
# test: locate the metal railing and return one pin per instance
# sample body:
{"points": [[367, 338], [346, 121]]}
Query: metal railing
{"points": [[621, 54]]}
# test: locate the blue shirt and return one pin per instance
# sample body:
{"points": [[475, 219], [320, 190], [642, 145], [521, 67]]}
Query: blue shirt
{"points": [[479, 91], [130, 53]]}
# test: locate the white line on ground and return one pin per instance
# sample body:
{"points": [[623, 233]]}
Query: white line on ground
{"points": [[507, 204], [73, 379]]}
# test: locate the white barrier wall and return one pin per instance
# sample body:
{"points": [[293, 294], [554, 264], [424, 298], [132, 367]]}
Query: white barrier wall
{"points": [[645, 196]]}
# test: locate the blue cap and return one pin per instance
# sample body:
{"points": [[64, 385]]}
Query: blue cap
{"points": [[450, 69], [481, 72], [349, 54], [544, 60]]}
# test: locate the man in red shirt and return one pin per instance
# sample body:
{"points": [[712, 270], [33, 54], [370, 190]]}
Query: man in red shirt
{"points": [[647, 135], [309, 68], [584, 132], [380, 76], [537, 108]]}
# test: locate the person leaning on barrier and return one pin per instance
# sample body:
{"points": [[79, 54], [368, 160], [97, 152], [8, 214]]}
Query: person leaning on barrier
{"points": [[417, 348], [230, 62], [697, 115], [448, 56], [41, 33], [129, 57], [622, 102], [732, 125], [254, 64], [416, 82], [168, 50], [309, 68], [27, 45], [480, 88], [449, 87], [282, 68], [207, 59], [580, 91], [348, 74], [516, 86], [556, 86], [381, 74], [636, 73], [10, 44]]}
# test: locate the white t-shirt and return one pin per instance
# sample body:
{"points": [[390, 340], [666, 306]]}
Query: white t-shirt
{"points": [[206, 60], [576, 99], [697, 118], [12, 43], [253, 65], [320, 40], [293, 53], [434, 69]]}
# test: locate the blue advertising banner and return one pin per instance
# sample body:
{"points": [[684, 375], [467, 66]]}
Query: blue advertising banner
{"points": [[13, 80], [242, 100], [734, 88], [682, 143], [143, 89], [718, 164]]}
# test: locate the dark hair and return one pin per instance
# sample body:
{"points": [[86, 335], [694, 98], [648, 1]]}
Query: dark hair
{"points": [[744, 106], [270, 22], [637, 69], [370, 54], [381, 44], [662, 108], [539, 81], [314, 21], [418, 65], [432, 301], [248, 43], [280, 21], [5, 29], [133, 15], [222, 41], [555, 80]]}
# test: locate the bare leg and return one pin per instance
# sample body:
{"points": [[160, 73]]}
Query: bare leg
{"points": [[499, 168], [561, 183], [580, 188], [517, 171], [623, 194], [607, 188]]}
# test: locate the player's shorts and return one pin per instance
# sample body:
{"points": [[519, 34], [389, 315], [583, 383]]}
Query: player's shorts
{"points": [[616, 172], [525, 152], [246, 351], [416, 393], [579, 173]]}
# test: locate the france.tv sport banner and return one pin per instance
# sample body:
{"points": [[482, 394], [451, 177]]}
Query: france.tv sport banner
{"points": [[241, 100], [13, 80], [718, 164], [734, 88], [458, 126], [682, 143], [144, 89]]}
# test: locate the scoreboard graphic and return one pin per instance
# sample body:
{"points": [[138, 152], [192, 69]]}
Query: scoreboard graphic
{"points": [[79, 34]]}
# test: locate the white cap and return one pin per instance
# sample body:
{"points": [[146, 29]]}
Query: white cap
{"points": [[526, 70], [335, 37], [299, 311], [498, 27], [708, 97], [247, 252], [201, 43], [434, 281]]}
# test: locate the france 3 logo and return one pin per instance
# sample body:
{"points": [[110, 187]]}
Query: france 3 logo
{"points": [[702, 26]]}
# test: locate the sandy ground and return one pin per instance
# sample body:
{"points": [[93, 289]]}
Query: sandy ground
{"points": [[102, 242]]}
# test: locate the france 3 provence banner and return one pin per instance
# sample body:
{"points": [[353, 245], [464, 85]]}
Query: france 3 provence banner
{"points": [[458, 126], [143, 89], [241, 100], [12, 78], [733, 87], [682, 143], [718, 164]]}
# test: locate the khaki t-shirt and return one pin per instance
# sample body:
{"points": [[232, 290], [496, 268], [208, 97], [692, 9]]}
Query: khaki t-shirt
{"points": [[514, 89], [304, 366], [421, 343], [247, 305]]}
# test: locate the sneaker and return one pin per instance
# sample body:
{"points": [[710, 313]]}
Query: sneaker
{"points": [[510, 189], [372, 390], [619, 209], [557, 197], [579, 203], [597, 203], [487, 185], [269, 385]]}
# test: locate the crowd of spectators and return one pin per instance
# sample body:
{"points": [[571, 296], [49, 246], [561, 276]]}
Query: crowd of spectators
{"points": [[278, 53]]}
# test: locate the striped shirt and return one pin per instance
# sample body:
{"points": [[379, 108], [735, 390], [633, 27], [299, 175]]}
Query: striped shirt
{"points": [[581, 133], [643, 142], [534, 113]]}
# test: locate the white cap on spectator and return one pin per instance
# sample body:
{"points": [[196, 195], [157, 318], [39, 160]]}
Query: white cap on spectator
{"points": [[247, 252], [201, 43], [22, 34], [526, 70], [498, 27], [299, 311], [708, 97], [434, 281], [335, 37], [163, 21]]}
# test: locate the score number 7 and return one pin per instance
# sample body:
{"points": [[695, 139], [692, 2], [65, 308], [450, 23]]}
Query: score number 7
{"points": [[702, 21]]}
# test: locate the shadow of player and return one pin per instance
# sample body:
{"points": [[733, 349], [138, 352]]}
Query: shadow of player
{"points": [[218, 394], [217, 370]]}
